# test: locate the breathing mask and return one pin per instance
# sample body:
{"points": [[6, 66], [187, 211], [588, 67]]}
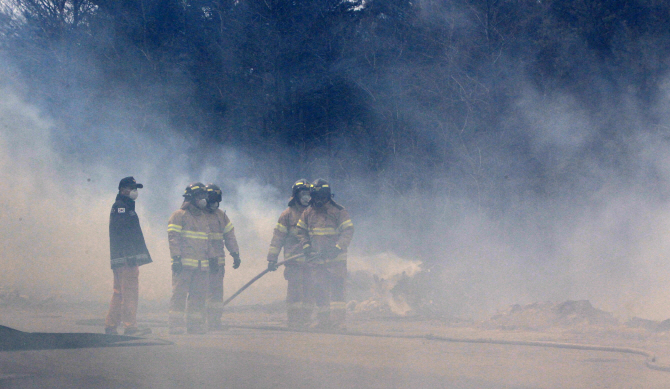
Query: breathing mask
{"points": [[304, 197]]}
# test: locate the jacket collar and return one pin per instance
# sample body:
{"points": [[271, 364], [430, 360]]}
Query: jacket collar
{"points": [[187, 206], [130, 203], [296, 205], [325, 208]]}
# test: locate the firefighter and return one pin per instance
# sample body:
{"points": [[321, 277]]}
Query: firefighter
{"points": [[188, 236], [325, 232], [128, 252], [299, 301], [222, 234]]}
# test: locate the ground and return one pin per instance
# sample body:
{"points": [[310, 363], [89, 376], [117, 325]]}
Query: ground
{"points": [[272, 358]]}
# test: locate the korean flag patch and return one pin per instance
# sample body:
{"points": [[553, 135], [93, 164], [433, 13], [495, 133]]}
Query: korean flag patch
{"points": [[122, 210]]}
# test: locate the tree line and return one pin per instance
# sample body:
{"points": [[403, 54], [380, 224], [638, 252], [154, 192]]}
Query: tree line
{"points": [[397, 90]]}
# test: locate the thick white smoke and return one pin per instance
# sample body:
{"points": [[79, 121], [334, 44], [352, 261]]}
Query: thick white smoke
{"points": [[55, 209]]}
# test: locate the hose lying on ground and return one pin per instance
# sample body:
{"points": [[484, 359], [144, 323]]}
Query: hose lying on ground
{"points": [[650, 361]]}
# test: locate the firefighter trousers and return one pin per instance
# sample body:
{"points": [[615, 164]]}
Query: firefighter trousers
{"points": [[189, 295], [329, 292], [123, 307], [299, 295], [215, 295]]}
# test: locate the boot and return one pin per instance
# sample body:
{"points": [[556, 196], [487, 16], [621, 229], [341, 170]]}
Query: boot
{"points": [[323, 322], [294, 319], [198, 328], [216, 325], [134, 331], [339, 317]]}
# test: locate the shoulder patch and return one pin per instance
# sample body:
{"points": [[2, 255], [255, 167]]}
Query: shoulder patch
{"points": [[122, 210]]}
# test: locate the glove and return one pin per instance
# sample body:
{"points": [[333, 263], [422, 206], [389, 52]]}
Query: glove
{"points": [[310, 254], [333, 252], [176, 264], [213, 265], [272, 265], [308, 251], [236, 260]]}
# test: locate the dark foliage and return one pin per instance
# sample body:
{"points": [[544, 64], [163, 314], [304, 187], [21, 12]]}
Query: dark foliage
{"points": [[397, 90]]}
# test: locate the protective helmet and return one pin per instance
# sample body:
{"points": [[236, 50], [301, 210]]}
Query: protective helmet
{"points": [[194, 189], [320, 192], [213, 193], [299, 185]]}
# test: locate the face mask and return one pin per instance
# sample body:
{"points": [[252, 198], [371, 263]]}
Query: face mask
{"points": [[133, 194], [202, 203], [304, 199], [213, 205]]}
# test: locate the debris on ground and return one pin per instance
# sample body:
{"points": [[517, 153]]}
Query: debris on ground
{"points": [[649, 325], [375, 296], [544, 315]]}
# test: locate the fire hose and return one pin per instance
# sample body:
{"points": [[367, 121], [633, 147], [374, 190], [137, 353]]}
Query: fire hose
{"points": [[251, 282], [650, 359]]}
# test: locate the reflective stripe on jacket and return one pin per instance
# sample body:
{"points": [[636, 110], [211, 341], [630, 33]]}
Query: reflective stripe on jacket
{"points": [[222, 234], [324, 229], [286, 235], [188, 235]]}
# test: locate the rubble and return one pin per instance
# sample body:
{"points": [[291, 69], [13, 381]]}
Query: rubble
{"points": [[538, 316]]}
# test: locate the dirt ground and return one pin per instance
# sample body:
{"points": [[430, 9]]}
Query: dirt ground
{"points": [[253, 358]]}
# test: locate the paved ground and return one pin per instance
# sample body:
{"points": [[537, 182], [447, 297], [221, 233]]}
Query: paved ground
{"points": [[244, 358]]}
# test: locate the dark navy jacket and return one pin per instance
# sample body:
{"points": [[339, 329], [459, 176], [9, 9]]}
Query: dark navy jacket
{"points": [[126, 241]]}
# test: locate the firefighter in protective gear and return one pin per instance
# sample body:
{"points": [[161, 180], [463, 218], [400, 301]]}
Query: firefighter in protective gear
{"points": [[188, 236], [128, 252], [222, 234], [299, 300], [325, 231]]}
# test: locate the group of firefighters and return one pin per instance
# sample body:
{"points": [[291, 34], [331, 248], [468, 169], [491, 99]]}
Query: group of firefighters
{"points": [[314, 232]]}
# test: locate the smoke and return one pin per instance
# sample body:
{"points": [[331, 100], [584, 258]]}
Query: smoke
{"points": [[600, 233], [55, 211], [561, 201], [591, 223]]}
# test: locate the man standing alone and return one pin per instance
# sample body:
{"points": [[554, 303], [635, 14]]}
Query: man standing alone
{"points": [[128, 252]]}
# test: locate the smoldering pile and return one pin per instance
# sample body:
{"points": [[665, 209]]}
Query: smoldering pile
{"points": [[375, 286], [541, 316], [376, 296]]}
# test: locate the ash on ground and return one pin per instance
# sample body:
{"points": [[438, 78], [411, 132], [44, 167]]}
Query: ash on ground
{"points": [[541, 316]]}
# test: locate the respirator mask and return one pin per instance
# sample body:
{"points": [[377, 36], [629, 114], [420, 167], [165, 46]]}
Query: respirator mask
{"points": [[304, 197]]}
